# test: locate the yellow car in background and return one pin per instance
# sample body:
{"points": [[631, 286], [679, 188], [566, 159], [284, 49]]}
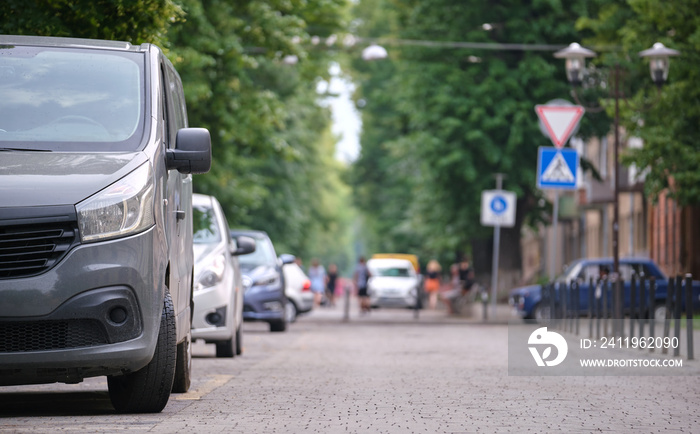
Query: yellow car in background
{"points": [[412, 258]]}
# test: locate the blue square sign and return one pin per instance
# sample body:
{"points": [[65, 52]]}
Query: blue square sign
{"points": [[557, 168]]}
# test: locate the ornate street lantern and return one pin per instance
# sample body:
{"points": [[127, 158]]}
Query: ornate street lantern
{"points": [[659, 62], [575, 56]]}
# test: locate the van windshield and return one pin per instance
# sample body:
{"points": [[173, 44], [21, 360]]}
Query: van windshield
{"points": [[70, 99]]}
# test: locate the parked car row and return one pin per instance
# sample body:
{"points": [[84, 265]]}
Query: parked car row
{"points": [[109, 264], [239, 277]]}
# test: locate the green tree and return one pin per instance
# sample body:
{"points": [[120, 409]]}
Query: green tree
{"points": [[273, 166], [669, 120], [270, 169], [440, 122], [123, 20]]}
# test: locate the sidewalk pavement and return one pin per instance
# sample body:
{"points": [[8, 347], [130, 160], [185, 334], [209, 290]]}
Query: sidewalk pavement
{"points": [[495, 314]]}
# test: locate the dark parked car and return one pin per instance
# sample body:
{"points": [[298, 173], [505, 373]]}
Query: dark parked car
{"points": [[528, 303], [96, 252], [264, 298]]}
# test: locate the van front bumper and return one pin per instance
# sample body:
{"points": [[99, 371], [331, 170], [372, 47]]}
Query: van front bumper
{"points": [[96, 312]]}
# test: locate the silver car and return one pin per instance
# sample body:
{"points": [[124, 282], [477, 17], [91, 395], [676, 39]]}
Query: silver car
{"points": [[218, 291], [96, 217]]}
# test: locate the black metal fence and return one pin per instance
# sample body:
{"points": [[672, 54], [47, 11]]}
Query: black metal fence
{"points": [[644, 317]]}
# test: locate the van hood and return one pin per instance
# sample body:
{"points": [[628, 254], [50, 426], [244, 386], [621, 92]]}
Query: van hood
{"points": [[29, 178]]}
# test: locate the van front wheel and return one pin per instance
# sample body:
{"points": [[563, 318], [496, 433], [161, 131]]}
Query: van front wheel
{"points": [[183, 366], [148, 389]]}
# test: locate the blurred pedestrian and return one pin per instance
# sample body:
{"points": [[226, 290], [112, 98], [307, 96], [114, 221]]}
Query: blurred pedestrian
{"points": [[432, 282], [361, 278], [466, 275], [454, 291], [317, 276], [455, 282], [331, 280]]}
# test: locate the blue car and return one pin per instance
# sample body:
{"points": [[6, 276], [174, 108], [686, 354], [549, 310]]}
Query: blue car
{"points": [[527, 300], [264, 296]]}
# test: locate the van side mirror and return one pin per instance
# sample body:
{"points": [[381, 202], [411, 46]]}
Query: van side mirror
{"points": [[244, 245], [192, 153]]}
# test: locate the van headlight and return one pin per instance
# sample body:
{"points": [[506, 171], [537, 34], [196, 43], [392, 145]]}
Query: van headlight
{"points": [[123, 208]]}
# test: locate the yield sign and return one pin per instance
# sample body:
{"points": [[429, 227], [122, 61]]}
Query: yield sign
{"points": [[560, 121]]}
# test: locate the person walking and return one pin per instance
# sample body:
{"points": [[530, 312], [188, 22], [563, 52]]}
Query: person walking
{"points": [[331, 281], [361, 278], [466, 275], [432, 283], [454, 291], [317, 277]]}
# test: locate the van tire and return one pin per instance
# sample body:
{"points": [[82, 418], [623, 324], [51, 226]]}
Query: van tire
{"points": [[148, 389], [183, 365]]}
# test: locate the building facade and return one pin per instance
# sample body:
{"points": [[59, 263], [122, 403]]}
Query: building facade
{"points": [[661, 230]]}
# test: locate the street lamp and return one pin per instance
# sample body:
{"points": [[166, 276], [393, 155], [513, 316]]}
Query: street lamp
{"points": [[374, 52], [575, 56], [658, 56]]}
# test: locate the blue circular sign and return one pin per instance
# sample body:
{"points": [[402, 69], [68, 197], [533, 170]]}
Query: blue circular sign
{"points": [[498, 205]]}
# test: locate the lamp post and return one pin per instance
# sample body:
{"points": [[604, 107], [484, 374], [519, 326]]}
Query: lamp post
{"points": [[575, 57]]}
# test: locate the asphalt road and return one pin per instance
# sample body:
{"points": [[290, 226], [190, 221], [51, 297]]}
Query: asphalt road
{"points": [[382, 373]]}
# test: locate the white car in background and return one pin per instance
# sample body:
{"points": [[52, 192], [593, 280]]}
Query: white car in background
{"points": [[218, 291], [393, 283], [297, 288]]}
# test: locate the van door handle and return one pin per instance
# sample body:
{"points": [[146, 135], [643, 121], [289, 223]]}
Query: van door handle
{"points": [[180, 215]]}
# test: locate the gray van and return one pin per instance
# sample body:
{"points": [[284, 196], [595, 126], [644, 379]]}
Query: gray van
{"points": [[96, 217]]}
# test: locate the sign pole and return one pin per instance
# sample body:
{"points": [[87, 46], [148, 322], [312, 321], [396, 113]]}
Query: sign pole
{"points": [[559, 120], [553, 252], [494, 261]]}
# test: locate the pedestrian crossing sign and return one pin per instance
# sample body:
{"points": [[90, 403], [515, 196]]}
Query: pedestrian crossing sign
{"points": [[557, 168]]}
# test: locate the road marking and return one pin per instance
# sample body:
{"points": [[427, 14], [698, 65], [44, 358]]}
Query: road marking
{"points": [[208, 387]]}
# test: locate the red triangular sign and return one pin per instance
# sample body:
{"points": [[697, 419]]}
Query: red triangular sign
{"points": [[560, 121]]}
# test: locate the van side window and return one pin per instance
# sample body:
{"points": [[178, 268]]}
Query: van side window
{"points": [[168, 133], [177, 98]]}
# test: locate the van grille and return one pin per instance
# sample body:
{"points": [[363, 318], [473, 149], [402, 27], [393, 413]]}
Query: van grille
{"points": [[28, 250], [23, 336]]}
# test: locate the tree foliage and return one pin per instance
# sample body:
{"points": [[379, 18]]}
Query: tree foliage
{"points": [[440, 122], [123, 20], [668, 120], [272, 148], [271, 168]]}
